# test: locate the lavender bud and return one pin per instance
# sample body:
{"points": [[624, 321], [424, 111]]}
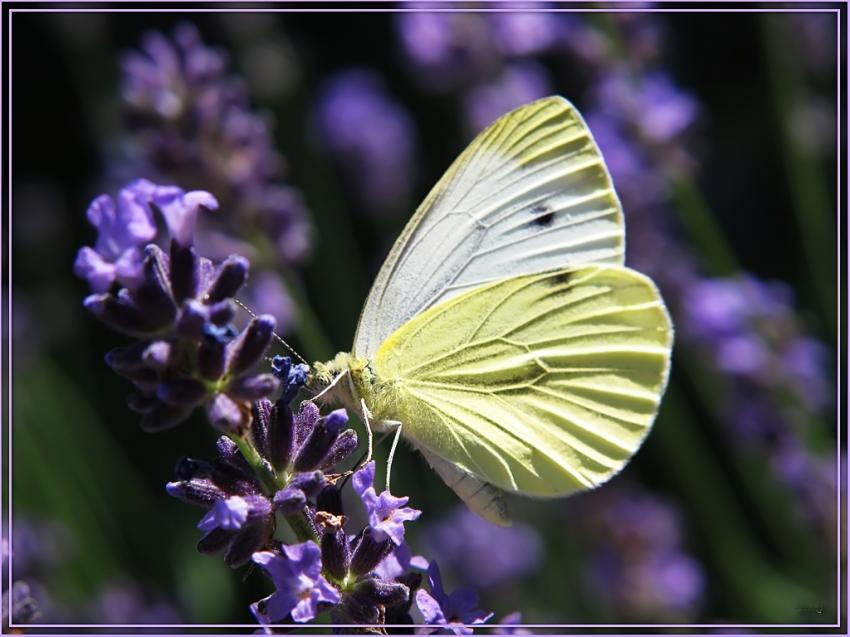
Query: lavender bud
{"points": [[334, 545], [212, 358], [193, 316], [379, 592], [289, 500], [184, 272], [227, 415], [223, 312], [164, 417], [119, 314], [251, 345], [329, 500], [343, 447], [144, 378], [258, 506], [229, 278], [189, 468], [186, 392], [142, 403], [368, 553], [153, 296], [249, 539], [311, 483], [253, 387], [281, 436], [158, 354], [212, 333], [230, 456], [305, 421], [214, 541], [127, 358], [260, 426], [319, 443], [199, 491]]}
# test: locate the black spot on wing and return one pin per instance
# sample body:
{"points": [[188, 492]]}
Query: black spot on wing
{"points": [[559, 279], [543, 215]]}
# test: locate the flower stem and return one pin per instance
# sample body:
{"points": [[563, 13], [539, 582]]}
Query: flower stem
{"points": [[266, 477]]}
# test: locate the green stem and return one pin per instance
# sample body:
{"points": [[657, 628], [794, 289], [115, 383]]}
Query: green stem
{"points": [[813, 206], [301, 527], [271, 482], [699, 222]]}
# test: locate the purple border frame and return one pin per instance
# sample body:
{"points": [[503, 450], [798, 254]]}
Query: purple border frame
{"points": [[445, 6]]}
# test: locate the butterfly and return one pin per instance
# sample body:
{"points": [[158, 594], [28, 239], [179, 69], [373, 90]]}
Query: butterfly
{"points": [[503, 337]]}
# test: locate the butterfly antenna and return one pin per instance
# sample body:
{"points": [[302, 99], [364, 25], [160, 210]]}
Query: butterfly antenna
{"points": [[275, 334]]}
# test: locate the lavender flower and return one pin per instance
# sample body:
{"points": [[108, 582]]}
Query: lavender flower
{"points": [[240, 498], [637, 565], [446, 50], [193, 124], [484, 554], [19, 605], [179, 306], [387, 514], [126, 602], [299, 585], [517, 84], [455, 611], [371, 137], [125, 227], [521, 33]]}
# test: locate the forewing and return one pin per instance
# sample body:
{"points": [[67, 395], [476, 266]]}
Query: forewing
{"points": [[530, 193], [542, 384]]}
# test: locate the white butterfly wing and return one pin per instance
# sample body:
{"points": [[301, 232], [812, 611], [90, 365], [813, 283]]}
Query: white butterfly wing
{"points": [[530, 193]]}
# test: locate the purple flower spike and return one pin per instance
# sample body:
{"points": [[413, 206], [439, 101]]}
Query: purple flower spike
{"points": [[121, 231], [229, 515], [456, 611], [300, 587], [387, 513]]}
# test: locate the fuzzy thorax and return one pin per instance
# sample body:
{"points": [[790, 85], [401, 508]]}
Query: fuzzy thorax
{"points": [[354, 380]]}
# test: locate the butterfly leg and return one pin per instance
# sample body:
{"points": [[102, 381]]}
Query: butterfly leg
{"points": [[392, 450], [366, 413]]}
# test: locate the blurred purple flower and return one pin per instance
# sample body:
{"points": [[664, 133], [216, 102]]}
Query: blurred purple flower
{"points": [[749, 328], [446, 51], [387, 513], [127, 603], [299, 585], [521, 33], [456, 611], [482, 553], [371, 137], [637, 564], [191, 122], [652, 104], [518, 84]]}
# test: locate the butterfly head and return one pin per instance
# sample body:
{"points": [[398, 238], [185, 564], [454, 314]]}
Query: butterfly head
{"points": [[344, 379]]}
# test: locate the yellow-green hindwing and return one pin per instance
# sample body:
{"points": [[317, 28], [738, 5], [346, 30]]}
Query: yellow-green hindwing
{"points": [[541, 384], [530, 193]]}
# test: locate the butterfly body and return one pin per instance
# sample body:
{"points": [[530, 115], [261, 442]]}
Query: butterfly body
{"points": [[503, 331]]}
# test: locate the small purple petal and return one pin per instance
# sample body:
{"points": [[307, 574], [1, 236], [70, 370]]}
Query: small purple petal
{"points": [[229, 514]]}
